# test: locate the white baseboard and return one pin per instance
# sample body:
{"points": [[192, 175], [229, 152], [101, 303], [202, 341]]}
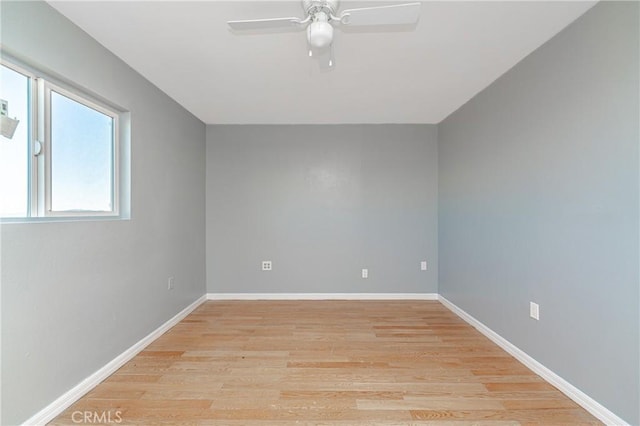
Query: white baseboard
{"points": [[322, 296], [68, 398], [581, 398]]}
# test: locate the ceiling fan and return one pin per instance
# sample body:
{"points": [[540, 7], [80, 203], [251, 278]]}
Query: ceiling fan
{"points": [[321, 16]]}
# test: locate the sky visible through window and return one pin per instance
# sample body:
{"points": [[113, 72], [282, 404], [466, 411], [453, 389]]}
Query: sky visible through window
{"points": [[81, 157], [14, 153]]}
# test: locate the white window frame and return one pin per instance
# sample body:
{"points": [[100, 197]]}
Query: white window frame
{"points": [[39, 146], [47, 89]]}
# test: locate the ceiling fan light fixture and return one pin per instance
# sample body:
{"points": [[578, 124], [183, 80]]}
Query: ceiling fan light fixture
{"points": [[321, 15], [320, 32]]}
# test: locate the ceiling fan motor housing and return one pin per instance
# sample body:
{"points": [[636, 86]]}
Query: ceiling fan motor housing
{"points": [[328, 6]]}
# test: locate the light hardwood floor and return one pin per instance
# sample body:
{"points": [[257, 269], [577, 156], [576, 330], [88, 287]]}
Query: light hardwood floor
{"points": [[325, 362]]}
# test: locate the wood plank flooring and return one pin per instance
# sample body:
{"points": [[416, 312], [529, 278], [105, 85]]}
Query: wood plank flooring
{"points": [[324, 362]]}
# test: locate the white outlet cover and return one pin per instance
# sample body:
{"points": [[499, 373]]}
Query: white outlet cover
{"points": [[534, 311], [365, 273], [423, 265]]}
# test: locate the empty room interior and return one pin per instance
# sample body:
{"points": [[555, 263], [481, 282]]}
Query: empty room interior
{"points": [[320, 212]]}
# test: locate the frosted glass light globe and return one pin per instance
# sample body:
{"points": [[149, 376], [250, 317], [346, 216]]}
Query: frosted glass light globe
{"points": [[320, 34]]}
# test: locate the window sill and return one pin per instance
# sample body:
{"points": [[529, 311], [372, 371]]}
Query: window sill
{"points": [[64, 219]]}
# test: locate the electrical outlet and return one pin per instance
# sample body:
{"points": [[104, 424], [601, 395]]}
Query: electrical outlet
{"points": [[534, 311], [365, 273], [266, 265], [423, 265], [170, 283]]}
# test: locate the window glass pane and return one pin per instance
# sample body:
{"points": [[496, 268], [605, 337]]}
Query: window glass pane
{"points": [[14, 153], [81, 157]]}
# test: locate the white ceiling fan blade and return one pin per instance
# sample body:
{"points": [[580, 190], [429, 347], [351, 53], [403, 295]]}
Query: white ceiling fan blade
{"points": [[259, 24], [382, 15]]}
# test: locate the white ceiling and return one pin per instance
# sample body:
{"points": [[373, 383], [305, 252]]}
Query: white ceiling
{"points": [[411, 75]]}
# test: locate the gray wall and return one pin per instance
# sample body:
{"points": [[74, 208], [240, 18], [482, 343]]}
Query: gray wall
{"points": [[75, 295], [539, 202], [322, 202]]}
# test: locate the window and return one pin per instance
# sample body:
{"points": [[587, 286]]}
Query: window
{"points": [[81, 143], [15, 88], [63, 157]]}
